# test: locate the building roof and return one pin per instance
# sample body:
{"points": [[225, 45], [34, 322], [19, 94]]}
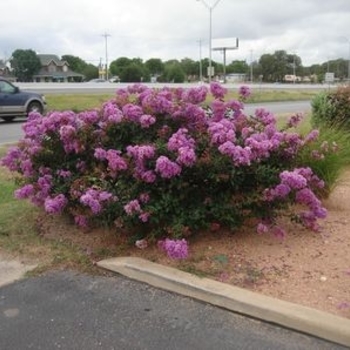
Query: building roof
{"points": [[47, 59]]}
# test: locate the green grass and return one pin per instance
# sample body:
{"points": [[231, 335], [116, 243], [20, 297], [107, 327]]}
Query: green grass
{"points": [[75, 102], [81, 102], [334, 162], [267, 95], [20, 233]]}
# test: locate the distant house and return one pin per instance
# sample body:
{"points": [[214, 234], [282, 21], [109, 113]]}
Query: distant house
{"points": [[5, 71], [55, 70]]}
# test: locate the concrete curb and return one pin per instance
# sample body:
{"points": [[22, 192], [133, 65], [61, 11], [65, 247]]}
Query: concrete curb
{"points": [[293, 316], [12, 270]]}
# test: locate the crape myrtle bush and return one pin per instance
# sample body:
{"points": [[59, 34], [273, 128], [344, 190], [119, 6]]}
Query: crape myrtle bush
{"points": [[332, 108], [161, 163]]}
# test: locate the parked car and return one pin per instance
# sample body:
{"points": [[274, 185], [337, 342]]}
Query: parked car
{"points": [[17, 103], [114, 79]]}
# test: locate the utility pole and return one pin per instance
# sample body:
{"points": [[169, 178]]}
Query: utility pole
{"points": [[251, 66], [106, 35], [200, 61], [210, 8], [294, 69]]}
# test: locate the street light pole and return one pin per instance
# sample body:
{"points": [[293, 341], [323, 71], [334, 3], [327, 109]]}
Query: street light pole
{"points": [[200, 61], [210, 8], [349, 63], [251, 66], [105, 35]]}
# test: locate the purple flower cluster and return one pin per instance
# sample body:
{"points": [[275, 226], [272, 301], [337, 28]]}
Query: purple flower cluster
{"points": [[294, 120], [221, 132], [111, 113], [25, 192], [217, 90], [147, 120], [180, 139], [244, 91], [240, 156], [185, 147], [196, 95], [167, 168], [134, 208], [95, 199], [132, 112], [115, 161], [298, 182], [175, 249], [141, 154], [56, 204]]}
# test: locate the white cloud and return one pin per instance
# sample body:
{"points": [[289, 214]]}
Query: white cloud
{"points": [[312, 29]]}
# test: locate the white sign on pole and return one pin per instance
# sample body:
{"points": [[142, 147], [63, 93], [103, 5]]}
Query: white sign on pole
{"points": [[329, 77], [212, 72], [225, 43]]}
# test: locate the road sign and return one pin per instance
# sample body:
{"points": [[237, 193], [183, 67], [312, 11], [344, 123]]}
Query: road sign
{"points": [[329, 77]]}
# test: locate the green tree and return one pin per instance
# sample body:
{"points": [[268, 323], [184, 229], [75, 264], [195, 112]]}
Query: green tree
{"points": [[133, 73], [275, 66], [118, 66], [76, 64], [155, 66], [174, 72], [25, 64], [237, 67], [282, 65], [189, 66], [90, 72]]}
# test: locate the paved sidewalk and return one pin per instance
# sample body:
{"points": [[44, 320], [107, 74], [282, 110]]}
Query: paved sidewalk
{"points": [[286, 314]]}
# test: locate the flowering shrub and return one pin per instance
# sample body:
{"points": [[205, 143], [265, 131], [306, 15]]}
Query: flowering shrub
{"points": [[332, 108], [162, 162], [175, 249]]}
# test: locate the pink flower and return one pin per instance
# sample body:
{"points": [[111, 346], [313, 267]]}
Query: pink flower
{"points": [[144, 217], [141, 244], [217, 90], [81, 220], [132, 207], [244, 91], [55, 205], [24, 192], [166, 168], [279, 232], [262, 228], [175, 249], [186, 156], [147, 120]]}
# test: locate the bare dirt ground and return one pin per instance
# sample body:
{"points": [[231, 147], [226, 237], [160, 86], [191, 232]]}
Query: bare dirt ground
{"points": [[307, 268]]}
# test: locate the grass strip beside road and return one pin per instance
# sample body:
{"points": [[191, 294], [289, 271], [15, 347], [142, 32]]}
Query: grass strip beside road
{"points": [[81, 102]]}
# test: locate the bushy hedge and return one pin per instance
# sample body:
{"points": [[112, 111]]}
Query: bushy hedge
{"points": [[332, 108], [161, 162]]}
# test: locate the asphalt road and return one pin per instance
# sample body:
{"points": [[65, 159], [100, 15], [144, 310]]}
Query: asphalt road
{"points": [[12, 132], [103, 88], [66, 310]]}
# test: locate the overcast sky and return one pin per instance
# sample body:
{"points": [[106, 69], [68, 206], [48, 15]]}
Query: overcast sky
{"points": [[315, 30]]}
